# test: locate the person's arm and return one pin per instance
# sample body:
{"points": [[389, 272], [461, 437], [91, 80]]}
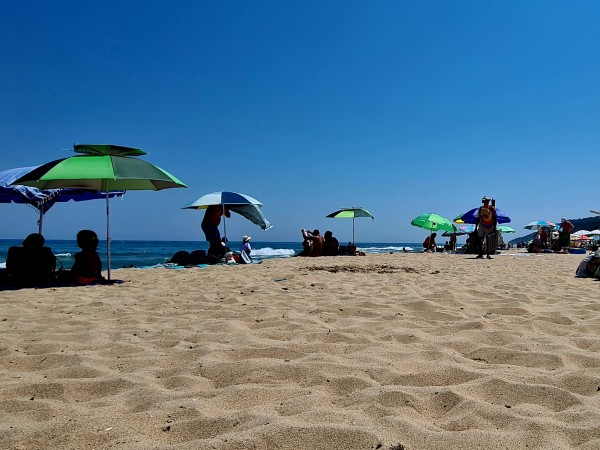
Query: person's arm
{"points": [[226, 212]]}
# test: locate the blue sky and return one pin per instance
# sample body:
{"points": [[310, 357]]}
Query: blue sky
{"points": [[400, 107]]}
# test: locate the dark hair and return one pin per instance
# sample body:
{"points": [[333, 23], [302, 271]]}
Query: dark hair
{"points": [[87, 240], [328, 234], [315, 232], [34, 240], [433, 234]]}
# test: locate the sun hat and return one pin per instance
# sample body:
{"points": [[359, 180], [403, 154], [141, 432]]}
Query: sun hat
{"points": [[485, 198], [246, 238]]}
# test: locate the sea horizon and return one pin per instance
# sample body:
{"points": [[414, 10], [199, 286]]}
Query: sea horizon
{"points": [[148, 253]]}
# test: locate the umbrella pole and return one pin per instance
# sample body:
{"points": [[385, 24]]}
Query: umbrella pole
{"points": [[224, 226], [353, 241], [41, 220], [107, 232]]}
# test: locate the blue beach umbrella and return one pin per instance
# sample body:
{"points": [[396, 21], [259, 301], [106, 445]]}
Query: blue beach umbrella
{"points": [[471, 216], [42, 200], [242, 204], [539, 224]]}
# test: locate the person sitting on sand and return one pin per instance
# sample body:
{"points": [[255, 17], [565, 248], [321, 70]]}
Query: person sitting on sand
{"points": [[32, 264], [245, 250], [313, 243], [429, 243], [87, 268], [331, 245]]}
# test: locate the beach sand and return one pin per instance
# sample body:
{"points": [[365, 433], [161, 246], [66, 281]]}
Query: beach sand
{"points": [[414, 351]]}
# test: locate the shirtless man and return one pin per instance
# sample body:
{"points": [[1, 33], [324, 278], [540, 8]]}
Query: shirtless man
{"points": [[210, 226], [315, 239]]}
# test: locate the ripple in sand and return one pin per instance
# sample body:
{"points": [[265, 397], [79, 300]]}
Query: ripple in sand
{"points": [[496, 355]]}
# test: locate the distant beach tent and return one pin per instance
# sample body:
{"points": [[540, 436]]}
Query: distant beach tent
{"points": [[42, 200], [242, 204], [471, 216], [350, 213], [433, 222], [102, 168]]}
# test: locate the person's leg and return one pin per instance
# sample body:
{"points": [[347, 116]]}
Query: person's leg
{"points": [[480, 238]]}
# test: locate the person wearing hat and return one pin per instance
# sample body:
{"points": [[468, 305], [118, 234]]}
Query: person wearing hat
{"points": [[245, 250], [487, 220], [564, 234]]}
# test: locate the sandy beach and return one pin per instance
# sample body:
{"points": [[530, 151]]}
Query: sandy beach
{"points": [[413, 351]]}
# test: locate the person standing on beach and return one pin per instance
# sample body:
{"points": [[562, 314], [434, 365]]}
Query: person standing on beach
{"points": [[487, 221], [564, 234], [210, 226]]}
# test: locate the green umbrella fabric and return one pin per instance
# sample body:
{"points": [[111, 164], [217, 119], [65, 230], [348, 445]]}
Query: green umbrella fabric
{"points": [[433, 222], [505, 229], [102, 168], [100, 172], [350, 213]]}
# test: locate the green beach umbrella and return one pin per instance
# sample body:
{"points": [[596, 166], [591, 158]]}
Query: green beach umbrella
{"points": [[433, 222], [350, 213], [102, 168], [505, 229]]}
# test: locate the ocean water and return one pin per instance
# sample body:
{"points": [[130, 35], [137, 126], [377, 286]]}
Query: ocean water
{"points": [[149, 253]]}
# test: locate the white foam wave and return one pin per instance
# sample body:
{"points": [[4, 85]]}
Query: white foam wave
{"points": [[3, 265], [268, 252], [386, 249], [63, 255]]}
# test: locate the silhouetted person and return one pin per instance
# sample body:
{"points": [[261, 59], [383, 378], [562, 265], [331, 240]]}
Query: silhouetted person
{"points": [[87, 268], [32, 264], [331, 245]]}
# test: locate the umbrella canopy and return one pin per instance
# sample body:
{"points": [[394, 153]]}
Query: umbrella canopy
{"points": [[433, 222], [582, 233], [42, 200], [242, 204], [539, 224], [350, 213], [594, 233], [579, 237], [471, 216], [505, 229], [101, 168]]}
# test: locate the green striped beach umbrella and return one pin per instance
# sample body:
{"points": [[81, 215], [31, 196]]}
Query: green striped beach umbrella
{"points": [[350, 213], [102, 168]]}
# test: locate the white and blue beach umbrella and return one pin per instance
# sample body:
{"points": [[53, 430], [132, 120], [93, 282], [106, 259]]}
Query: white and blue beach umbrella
{"points": [[539, 224], [242, 204]]}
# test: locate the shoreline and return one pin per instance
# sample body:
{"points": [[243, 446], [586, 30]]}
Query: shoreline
{"points": [[423, 350]]}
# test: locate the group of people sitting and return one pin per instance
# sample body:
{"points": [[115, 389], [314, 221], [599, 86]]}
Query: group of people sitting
{"points": [[327, 245], [218, 252], [34, 265]]}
